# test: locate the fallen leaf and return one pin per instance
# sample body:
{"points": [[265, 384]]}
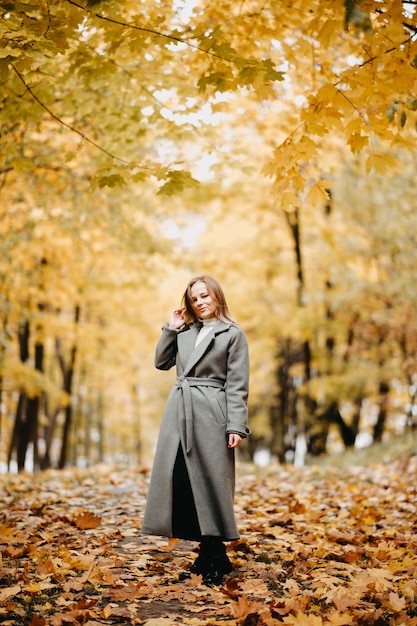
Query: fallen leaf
{"points": [[396, 602], [87, 520], [9, 592]]}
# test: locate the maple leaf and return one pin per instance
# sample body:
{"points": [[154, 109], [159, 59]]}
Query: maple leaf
{"points": [[357, 142], [336, 618], [377, 578], [37, 621], [396, 603], [231, 588], [101, 575], [319, 192], [381, 163], [9, 592], [177, 181], [47, 567], [344, 598], [87, 520], [37, 587], [242, 608], [128, 592], [195, 579]]}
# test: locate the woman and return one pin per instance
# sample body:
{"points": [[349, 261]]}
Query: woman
{"points": [[193, 477]]}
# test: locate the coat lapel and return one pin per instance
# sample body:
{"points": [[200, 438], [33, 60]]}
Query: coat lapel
{"points": [[191, 355], [186, 342]]}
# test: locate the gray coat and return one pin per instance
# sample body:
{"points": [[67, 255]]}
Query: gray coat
{"points": [[208, 401]]}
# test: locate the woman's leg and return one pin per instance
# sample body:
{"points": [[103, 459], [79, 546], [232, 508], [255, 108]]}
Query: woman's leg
{"points": [[212, 561], [184, 515]]}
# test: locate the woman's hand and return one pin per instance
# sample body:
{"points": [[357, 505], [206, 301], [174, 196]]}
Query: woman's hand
{"points": [[177, 319], [233, 440]]}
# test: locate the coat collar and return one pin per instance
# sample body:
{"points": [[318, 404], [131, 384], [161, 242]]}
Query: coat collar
{"points": [[188, 353]]}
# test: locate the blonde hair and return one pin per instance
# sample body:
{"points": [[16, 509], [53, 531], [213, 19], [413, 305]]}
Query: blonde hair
{"points": [[216, 292]]}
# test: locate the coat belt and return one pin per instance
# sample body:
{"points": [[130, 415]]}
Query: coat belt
{"points": [[185, 383]]}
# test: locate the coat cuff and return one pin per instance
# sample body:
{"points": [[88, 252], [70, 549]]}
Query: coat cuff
{"points": [[243, 431], [170, 330]]}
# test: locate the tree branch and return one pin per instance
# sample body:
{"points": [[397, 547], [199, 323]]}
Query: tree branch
{"points": [[410, 27], [60, 121], [152, 32]]}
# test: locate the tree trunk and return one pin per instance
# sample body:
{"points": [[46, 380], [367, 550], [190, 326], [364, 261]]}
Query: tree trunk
{"points": [[67, 378], [25, 428], [293, 221], [45, 461], [16, 441], [33, 408], [382, 414], [280, 406]]}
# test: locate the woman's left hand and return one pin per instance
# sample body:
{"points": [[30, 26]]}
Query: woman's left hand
{"points": [[233, 440]]}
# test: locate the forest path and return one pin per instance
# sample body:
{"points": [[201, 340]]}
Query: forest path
{"points": [[319, 547]]}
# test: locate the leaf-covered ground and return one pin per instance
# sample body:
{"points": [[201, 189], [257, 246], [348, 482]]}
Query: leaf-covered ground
{"points": [[317, 548]]}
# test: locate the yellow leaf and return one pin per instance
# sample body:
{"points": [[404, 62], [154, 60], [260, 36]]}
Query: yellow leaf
{"points": [[327, 93], [319, 192], [354, 126], [107, 611], [289, 200], [340, 619], [357, 142], [380, 164], [328, 31], [33, 588]]}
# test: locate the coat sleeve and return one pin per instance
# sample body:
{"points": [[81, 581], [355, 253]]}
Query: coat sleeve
{"points": [[237, 385], [166, 349]]}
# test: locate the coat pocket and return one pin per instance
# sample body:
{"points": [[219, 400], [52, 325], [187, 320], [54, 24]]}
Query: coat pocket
{"points": [[219, 412]]}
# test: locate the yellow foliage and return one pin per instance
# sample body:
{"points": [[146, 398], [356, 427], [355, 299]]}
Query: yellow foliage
{"points": [[319, 192], [381, 164]]}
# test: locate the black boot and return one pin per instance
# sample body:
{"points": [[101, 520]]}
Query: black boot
{"points": [[217, 565], [199, 566], [212, 562]]}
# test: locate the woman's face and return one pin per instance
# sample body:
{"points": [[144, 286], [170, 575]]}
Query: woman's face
{"points": [[203, 304]]}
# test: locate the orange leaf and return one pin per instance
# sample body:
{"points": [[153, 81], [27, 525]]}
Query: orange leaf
{"points": [[242, 608], [231, 588], [107, 611], [172, 542], [87, 520], [37, 621], [396, 602]]}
